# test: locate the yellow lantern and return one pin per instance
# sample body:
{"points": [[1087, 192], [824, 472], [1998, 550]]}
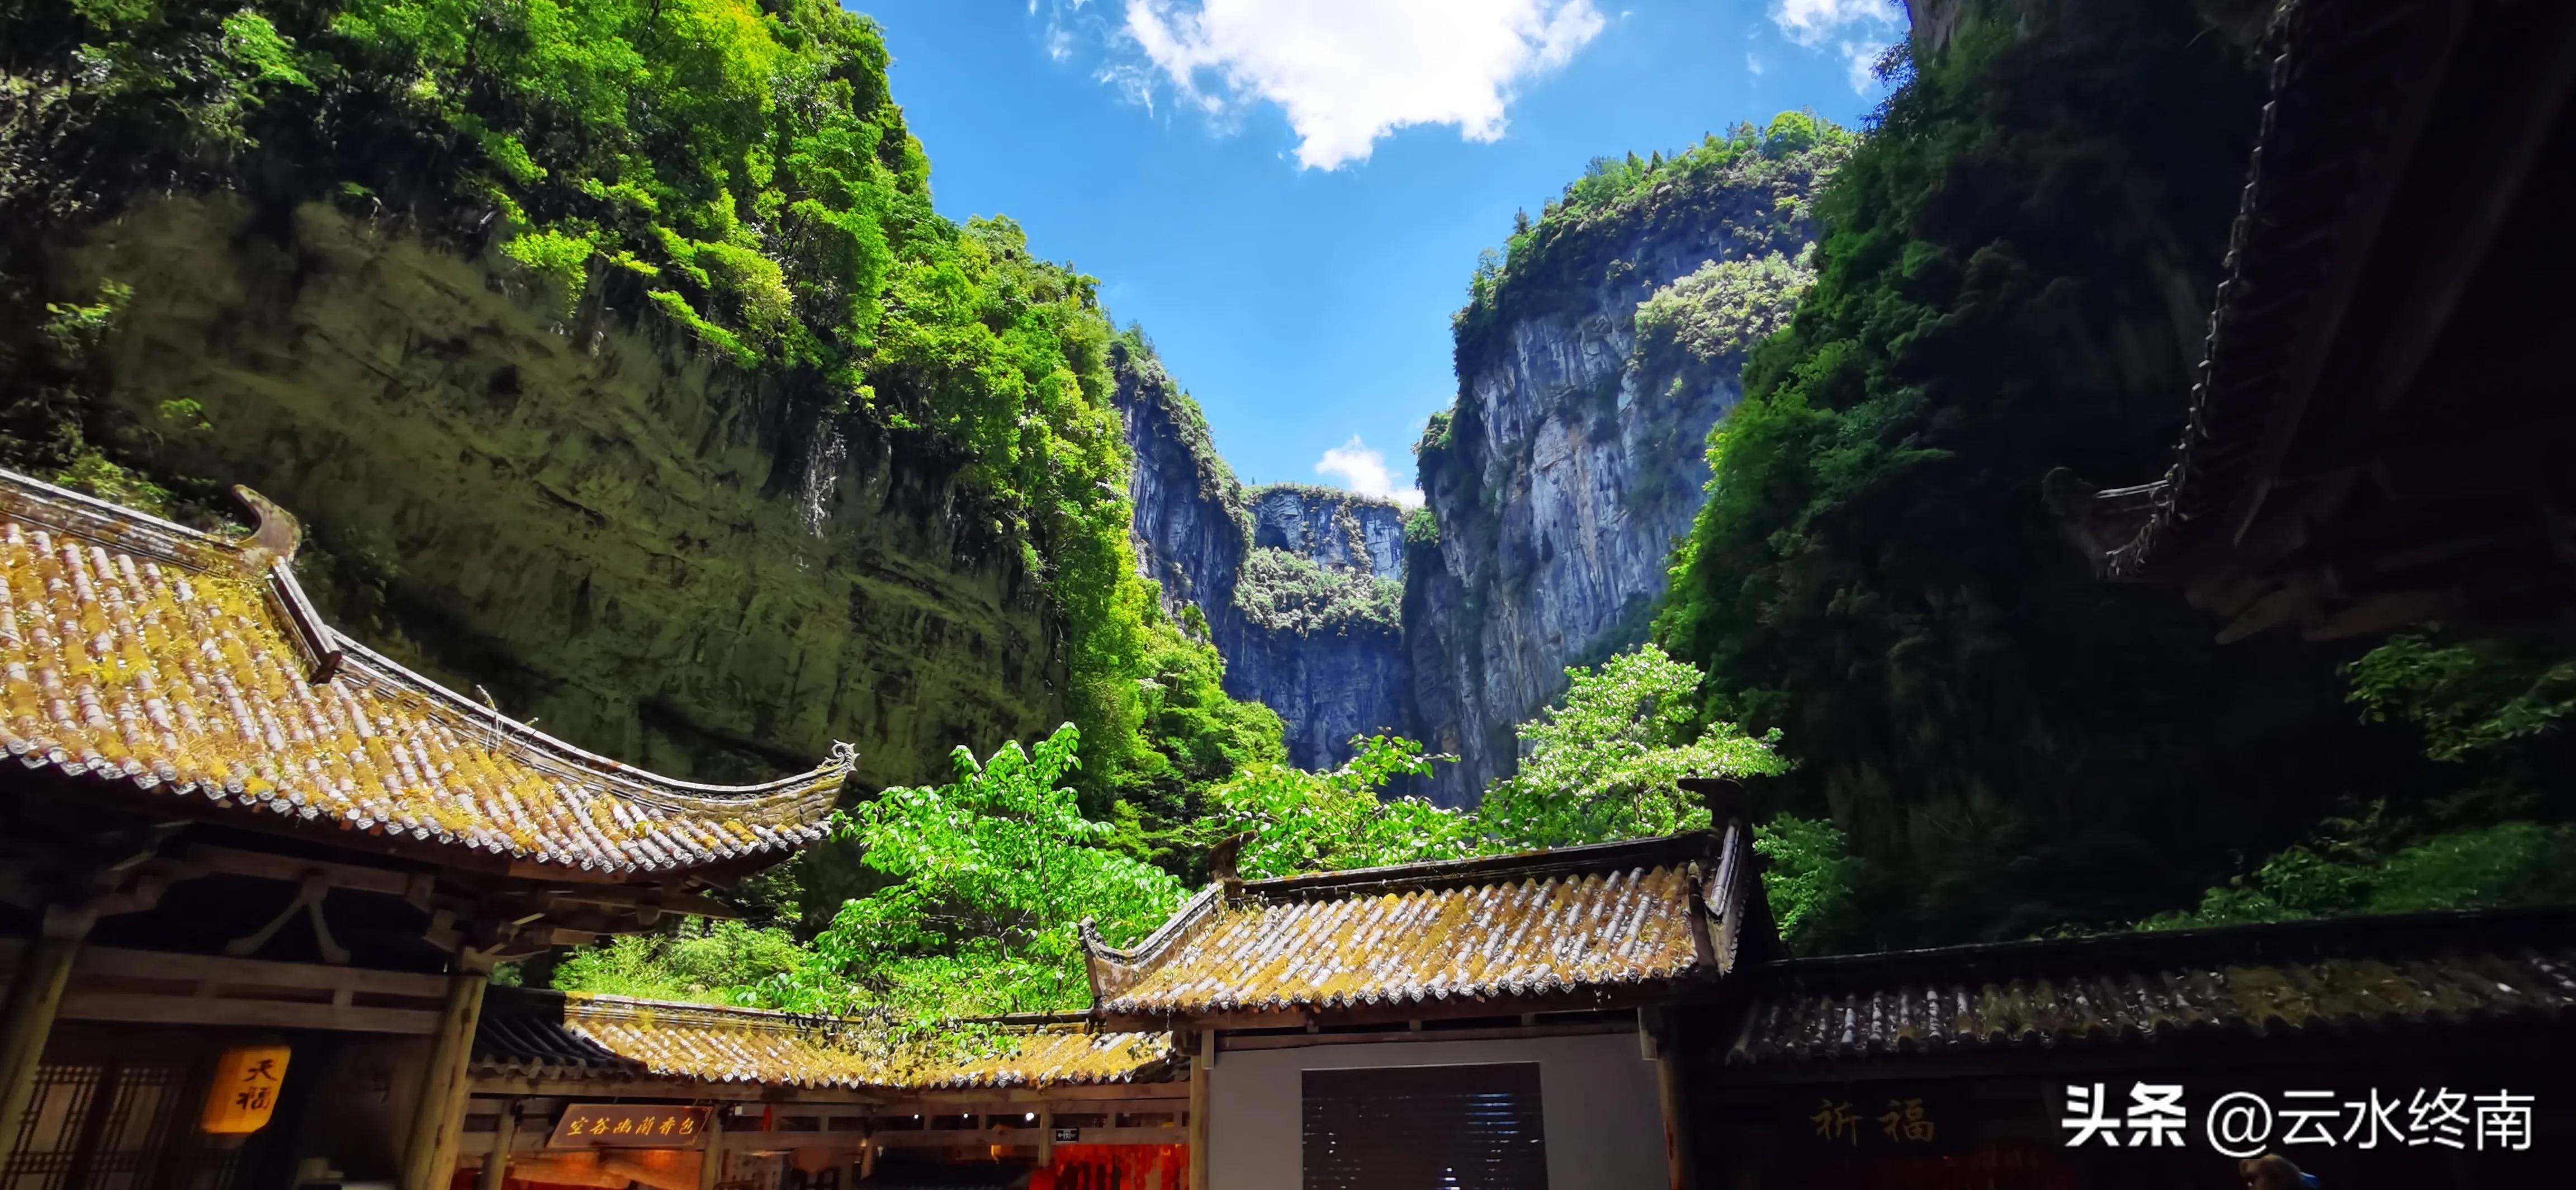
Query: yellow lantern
{"points": [[244, 1093]]}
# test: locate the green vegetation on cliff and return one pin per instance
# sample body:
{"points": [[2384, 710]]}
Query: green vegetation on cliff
{"points": [[1759, 179], [734, 168], [2014, 277], [1286, 592]]}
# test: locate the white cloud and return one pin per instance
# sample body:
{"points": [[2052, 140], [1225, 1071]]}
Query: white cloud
{"points": [[1860, 65], [1812, 23], [1858, 30], [1752, 65], [1347, 72], [1364, 471]]}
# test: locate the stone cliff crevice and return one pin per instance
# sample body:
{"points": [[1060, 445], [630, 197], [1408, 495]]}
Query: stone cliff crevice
{"points": [[1297, 586]]}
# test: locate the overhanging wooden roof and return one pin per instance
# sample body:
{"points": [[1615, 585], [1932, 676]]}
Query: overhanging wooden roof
{"points": [[2382, 418], [149, 660], [1574, 924]]}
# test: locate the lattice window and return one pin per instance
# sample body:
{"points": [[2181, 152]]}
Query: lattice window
{"points": [[1425, 1128], [117, 1124]]}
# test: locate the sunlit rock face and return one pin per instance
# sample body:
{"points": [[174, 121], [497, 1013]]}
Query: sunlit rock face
{"points": [[1560, 485], [1307, 625], [583, 513]]}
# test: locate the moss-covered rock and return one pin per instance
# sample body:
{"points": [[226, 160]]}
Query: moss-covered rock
{"points": [[607, 525]]}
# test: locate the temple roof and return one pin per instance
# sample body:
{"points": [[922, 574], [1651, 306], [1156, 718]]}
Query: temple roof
{"points": [[145, 655], [2377, 434], [569, 1035], [1574, 922], [2369, 976]]}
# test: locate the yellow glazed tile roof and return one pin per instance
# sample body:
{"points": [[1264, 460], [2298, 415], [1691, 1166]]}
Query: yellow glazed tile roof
{"points": [[1541, 924], [140, 652], [2356, 976], [579, 1036]]}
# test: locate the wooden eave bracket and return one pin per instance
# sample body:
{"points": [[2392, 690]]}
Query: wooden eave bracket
{"points": [[307, 902]]}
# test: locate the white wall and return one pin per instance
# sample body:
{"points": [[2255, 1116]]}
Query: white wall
{"points": [[1605, 1126]]}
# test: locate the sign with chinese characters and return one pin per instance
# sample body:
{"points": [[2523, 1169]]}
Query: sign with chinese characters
{"points": [[1066, 1136], [1879, 1119], [2247, 1123], [244, 1090], [627, 1126]]}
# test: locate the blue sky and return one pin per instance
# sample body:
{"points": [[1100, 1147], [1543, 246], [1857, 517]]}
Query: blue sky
{"points": [[1290, 194]]}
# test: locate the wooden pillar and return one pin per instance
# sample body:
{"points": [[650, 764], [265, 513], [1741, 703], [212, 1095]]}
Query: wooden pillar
{"points": [[496, 1168], [1046, 1136], [429, 1159], [1202, 1073], [1658, 1033], [711, 1163], [33, 998]]}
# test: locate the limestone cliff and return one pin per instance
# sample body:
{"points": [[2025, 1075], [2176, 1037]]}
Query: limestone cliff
{"points": [[1591, 371], [1297, 586], [584, 513]]}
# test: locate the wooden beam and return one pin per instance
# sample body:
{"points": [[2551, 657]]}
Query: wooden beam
{"points": [[33, 998], [949, 1138], [439, 1115], [145, 1008], [207, 860], [145, 964], [966, 1102]]}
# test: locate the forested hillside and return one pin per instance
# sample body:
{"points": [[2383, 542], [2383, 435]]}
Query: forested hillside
{"points": [[2016, 274], [660, 347]]}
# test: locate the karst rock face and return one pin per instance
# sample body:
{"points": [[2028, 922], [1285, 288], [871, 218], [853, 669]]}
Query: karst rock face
{"points": [[1556, 530], [1567, 471], [584, 514], [1556, 488], [1332, 666]]}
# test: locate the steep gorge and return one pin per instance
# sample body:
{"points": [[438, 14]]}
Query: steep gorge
{"points": [[1574, 456], [1295, 585], [1593, 363]]}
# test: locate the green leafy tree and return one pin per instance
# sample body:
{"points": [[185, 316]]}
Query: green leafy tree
{"points": [[1305, 821], [2491, 710], [990, 877], [1604, 762], [2470, 696], [726, 962], [1807, 874], [2346, 871]]}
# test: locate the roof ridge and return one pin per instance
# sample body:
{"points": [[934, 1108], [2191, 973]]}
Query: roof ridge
{"points": [[2432, 930], [340, 735], [1487, 869], [639, 1007], [579, 758]]}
